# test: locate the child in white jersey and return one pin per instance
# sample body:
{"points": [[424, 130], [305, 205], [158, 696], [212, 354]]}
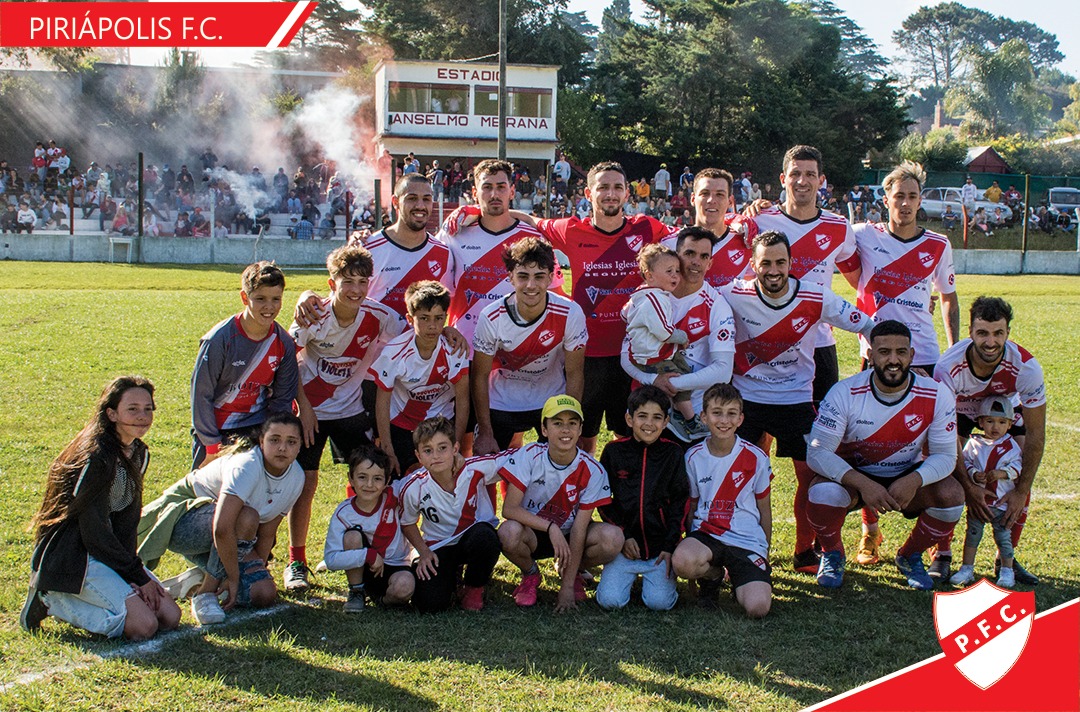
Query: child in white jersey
{"points": [[653, 338], [993, 461], [364, 538]]}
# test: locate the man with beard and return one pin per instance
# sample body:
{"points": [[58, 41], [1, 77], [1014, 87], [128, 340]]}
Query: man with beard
{"points": [[867, 446], [712, 199], [899, 265], [776, 326], [990, 364]]}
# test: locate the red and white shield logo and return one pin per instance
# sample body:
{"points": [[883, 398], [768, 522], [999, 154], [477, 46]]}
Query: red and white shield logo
{"points": [[983, 629], [435, 267], [634, 242]]}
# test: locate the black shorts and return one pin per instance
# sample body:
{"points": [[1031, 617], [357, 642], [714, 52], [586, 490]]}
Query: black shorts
{"points": [[826, 371], [607, 387], [965, 425], [884, 482], [743, 566], [376, 585], [344, 434], [544, 549], [506, 424], [789, 424], [404, 448]]}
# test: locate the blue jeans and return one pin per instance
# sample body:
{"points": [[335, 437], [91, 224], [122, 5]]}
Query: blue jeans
{"points": [[657, 587], [100, 607], [193, 538], [1002, 535]]}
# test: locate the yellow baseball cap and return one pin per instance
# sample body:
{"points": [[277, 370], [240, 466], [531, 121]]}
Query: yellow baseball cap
{"points": [[561, 404]]}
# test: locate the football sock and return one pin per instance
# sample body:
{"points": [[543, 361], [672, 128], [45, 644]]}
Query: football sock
{"points": [[933, 525], [804, 533], [298, 553]]}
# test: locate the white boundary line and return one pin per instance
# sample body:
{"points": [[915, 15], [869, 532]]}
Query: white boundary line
{"points": [[146, 647], [1065, 426]]}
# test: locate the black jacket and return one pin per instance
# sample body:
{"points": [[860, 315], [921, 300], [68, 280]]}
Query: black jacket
{"points": [[59, 559], [649, 489]]}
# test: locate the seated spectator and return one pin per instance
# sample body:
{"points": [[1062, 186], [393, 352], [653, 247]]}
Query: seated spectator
{"points": [[311, 213], [262, 221], [9, 220], [980, 222], [106, 212], [242, 223], [53, 213], [200, 226], [997, 220], [182, 227], [873, 214], [327, 225], [121, 223], [1044, 220], [25, 219], [220, 231], [949, 217], [92, 174]]}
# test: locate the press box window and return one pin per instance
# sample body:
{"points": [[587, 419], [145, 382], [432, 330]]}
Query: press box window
{"points": [[521, 101], [423, 98]]}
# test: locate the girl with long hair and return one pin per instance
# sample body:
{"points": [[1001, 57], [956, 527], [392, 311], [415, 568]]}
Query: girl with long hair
{"points": [[85, 569]]}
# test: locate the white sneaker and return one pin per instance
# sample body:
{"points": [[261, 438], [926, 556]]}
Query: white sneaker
{"points": [[964, 576], [1006, 578], [182, 585], [320, 568], [206, 609]]}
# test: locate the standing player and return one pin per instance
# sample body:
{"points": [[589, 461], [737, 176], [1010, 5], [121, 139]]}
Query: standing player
{"points": [[334, 356], [867, 447], [819, 240], [712, 201], [477, 272], [899, 266], [528, 347], [988, 363], [704, 315], [553, 488], [246, 367], [776, 325]]}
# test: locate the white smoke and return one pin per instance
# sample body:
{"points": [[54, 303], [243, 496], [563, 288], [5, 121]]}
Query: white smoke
{"points": [[328, 118]]}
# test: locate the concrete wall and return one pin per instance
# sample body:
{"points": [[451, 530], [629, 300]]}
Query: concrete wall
{"points": [[245, 250], [165, 250]]}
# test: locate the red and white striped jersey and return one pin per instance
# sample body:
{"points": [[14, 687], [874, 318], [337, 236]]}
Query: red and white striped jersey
{"points": [[604, 270], [552, 492], [334, 359], [448, 515], [981, 454], [898, 278], [478, 274], [730, 259], [886, 439], [420, 388], [528, 360], [648, 317], [817, 246], [380, 527], [397, 267], [726, 490], [774, 346], [1018, 377]]}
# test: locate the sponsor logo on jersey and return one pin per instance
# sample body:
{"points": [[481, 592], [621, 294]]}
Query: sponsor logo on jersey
{"points": [[703, 480], [800, 324], [238, 364], [984, 629], [913, 421], [591, 293], [723, 335], [547, 336], [951, 426], [855, 317]]}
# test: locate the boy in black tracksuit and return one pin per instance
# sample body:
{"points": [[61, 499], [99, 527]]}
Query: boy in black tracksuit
{"points": [[649, 490]]}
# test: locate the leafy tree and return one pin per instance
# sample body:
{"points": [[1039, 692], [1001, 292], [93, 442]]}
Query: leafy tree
{"points": [[860, 53], [938, 150], [1001, 95], [935, 38], [612, 28], [331, 36]]}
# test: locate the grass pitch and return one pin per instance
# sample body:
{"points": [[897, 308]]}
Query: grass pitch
{"points": [[65, 330]]}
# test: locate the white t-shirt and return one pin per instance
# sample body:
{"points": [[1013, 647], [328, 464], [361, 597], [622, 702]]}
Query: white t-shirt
{"points": [[727, 490], [774, 345], [448, 515], [334, 359], [898, 279], [528, 360], [553, 492], [420, 388], [244, 475], [381, 530]]}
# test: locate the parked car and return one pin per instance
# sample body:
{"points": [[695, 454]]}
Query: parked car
{"points": [[1063, 203], [934, 201]]}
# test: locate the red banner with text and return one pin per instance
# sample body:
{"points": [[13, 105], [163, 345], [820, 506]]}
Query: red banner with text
{"points": [[151, 24]]}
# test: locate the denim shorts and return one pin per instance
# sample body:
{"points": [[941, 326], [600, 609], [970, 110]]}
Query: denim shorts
{"points": [[193, 538], [100, 607]]}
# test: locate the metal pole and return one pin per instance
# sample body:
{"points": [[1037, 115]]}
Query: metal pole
{"points": [[378, 204], [1027, 190], [71, 210], [502, 80], [964, 217], [141, 198], [547, 191], [348, 214]]}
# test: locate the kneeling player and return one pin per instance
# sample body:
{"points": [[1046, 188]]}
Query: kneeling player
{"points": [[867, 447], [455, 497], [364, 538], [730, 481], [554, 487]]}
